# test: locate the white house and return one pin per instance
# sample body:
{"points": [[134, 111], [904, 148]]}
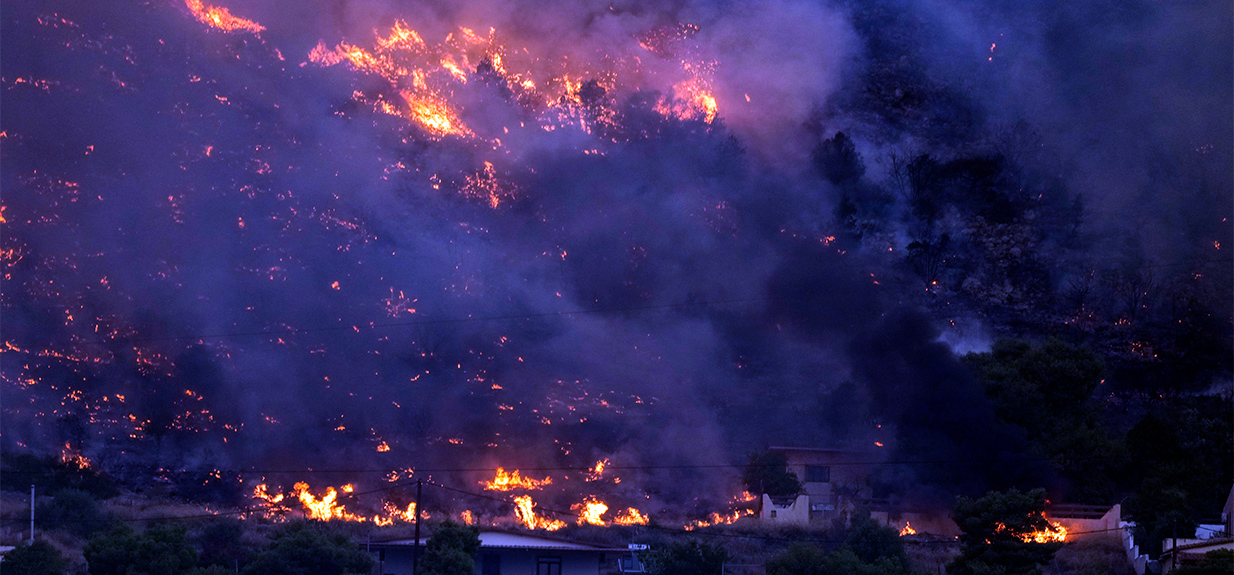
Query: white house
{"points": [[504, 553]]}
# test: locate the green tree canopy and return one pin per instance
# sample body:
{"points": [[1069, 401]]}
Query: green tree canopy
{"points": [[159, 550], [37, 558], [807, 559], [996, 530], [74, 511], [451, 551], [767, 472], [687, 558], [1046, 389], [309, 548]]}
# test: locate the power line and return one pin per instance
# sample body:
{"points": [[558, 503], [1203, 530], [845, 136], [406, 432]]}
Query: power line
{"points": [[309, 470]]}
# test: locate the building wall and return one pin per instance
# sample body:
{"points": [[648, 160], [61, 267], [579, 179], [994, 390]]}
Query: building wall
{"points": [[797, 512], [513, 561]]}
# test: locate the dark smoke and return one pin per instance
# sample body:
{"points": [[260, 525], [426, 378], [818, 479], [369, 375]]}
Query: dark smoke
{"points": [[692, 294]]}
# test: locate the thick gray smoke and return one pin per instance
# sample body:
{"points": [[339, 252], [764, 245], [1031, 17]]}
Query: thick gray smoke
{"points": [[224, 258]]}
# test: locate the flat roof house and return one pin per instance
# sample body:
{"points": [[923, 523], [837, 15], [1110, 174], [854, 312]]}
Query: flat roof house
{"points": [[504, 553]]}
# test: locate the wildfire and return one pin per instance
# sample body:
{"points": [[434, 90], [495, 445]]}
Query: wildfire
{"points": [[221, 18], [590, 511], [74, 458], [597, 471], [510, 481], [630, 516], [1055, 533], [325, 508], [718, 519], [394, 512], [524, 510], [908, 530]]}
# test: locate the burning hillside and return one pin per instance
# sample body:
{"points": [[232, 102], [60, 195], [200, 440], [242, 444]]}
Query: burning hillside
{"points": [[298, 260]]}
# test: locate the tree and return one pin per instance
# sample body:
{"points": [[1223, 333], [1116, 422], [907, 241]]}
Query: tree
{"points": [[800, 559], [160, 550], [451, 551], [222, 543], [1219, 562], [37, 558], [687, 558], [837, 160], [1046, 388], [872, 542], [74, 511], [307, 548], [806, 559], [997, 534], [767, 472]]}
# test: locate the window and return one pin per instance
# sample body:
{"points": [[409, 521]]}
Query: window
{"points": [[491, 564], [818, 474], [773, 513], [548, 566]]}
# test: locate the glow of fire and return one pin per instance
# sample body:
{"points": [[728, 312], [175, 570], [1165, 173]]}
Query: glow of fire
{"points": [[718, 519], [71, 457], [503, 481], [1055, 533], [590, 511], [908, 530], [524, 510], [597, 471], [221, 18], [630, 516]]}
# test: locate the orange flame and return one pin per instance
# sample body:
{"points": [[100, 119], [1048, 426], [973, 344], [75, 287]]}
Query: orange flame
{"points": [[718, 519], [73, 458], [908, 530], [510, 481], [1055, 533], [325, 508], [631, 516], [597, 470], [524, 510], [221, 18], [590, 511]]}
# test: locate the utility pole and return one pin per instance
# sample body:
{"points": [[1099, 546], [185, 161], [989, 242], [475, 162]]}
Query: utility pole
{"points": [[415, 552], [32, 514]]}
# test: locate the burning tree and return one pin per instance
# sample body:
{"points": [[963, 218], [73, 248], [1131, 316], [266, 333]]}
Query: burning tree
{"points": [[1004, 532]]}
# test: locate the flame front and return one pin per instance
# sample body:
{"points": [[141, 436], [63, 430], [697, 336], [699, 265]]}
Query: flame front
{"points": [[221, 18], [590, 511], [908, 530], [510, 481], [1054, 533], [524, 510], [631, 516]]}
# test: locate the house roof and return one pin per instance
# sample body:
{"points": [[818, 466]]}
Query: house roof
{"points": [[506, 540], [1206, 544], [820, 450]]}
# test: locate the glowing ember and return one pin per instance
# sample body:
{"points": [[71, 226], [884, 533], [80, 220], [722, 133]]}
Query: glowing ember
{"points": [[590, 511], [72, 458], [597, 471], [510, 481], [221, 18], [524, 510], [908, 530]]}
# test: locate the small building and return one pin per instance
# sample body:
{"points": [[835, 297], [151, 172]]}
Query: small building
{"points": [[834, 483], [503, 553], [1190, 551]]}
